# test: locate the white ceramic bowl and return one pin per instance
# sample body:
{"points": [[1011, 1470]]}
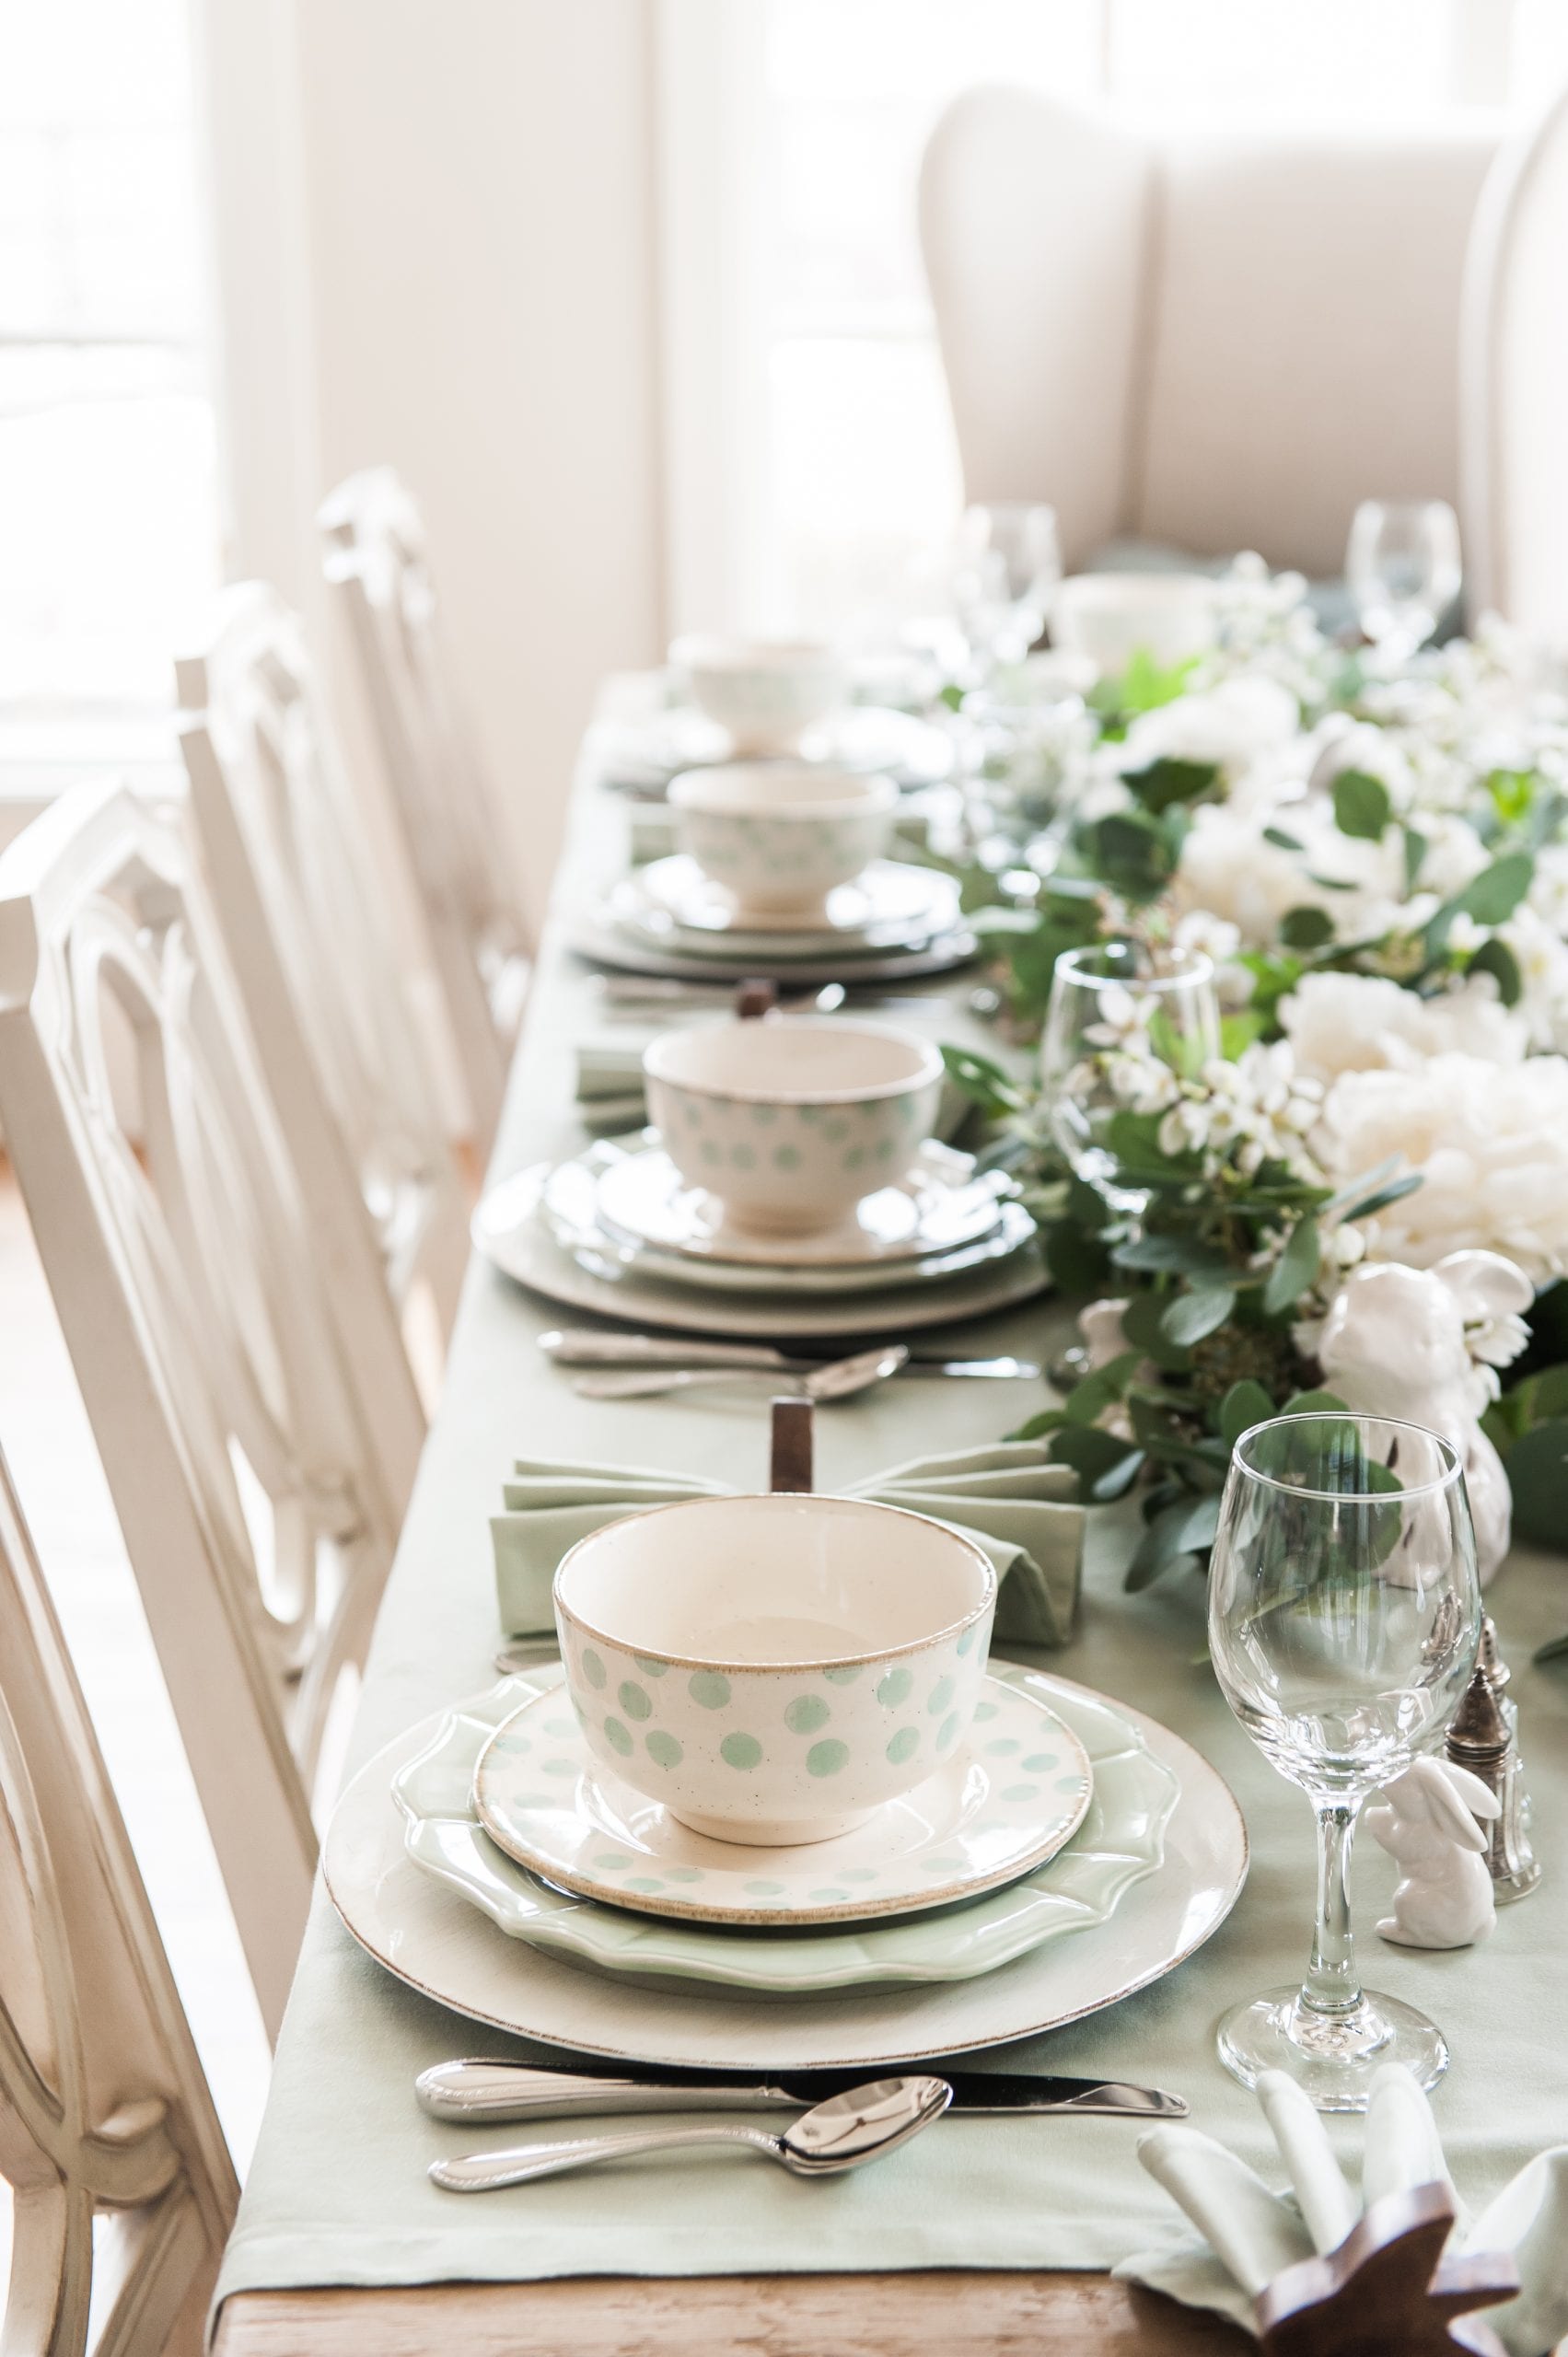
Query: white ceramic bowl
{"points": [[781, 834], [772, 1669], [792, 1119], [1111, 616], [765, 691]]}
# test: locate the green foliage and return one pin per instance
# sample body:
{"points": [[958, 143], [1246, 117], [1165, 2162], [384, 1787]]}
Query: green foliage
{"points": [[1307, 928], [982, 1081], [1362, 805], [1134, 851], [1143, 687], [1165, 783], [1490, 898], [1296, 1268], [1495, 958]]}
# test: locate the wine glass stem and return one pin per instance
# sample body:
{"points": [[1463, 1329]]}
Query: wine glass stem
{"points": [[1330, 1986]]}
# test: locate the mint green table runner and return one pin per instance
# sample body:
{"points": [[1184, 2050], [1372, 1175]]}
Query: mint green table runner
{"points": [[338, 2194]]}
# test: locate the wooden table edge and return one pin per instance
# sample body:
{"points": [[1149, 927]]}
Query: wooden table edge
{"points": [[949, 2312]]}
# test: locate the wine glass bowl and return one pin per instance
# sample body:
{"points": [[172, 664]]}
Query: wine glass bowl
{"points": [[1344, 1614], [1403, 570], [1125, 1025]]}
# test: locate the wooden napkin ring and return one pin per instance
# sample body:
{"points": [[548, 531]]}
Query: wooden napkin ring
{"points": [[755, 998], [1388, 2291], [791, 1468]]}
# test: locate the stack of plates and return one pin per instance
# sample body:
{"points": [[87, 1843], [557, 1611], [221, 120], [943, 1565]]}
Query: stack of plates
{"points": [[617, 1230], [895, 920], [641, 756], [943, 1922]]}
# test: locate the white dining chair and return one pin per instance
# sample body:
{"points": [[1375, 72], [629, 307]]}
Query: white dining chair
{"points": [[291, 873], [122, 2189], [1514, 381], [180, 1257], [1200, 342], [377, 565]]}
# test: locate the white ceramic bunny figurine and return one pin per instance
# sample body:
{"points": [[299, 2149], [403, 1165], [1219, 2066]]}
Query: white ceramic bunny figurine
{"points": [[1422, 1343], [1426, 1820]]}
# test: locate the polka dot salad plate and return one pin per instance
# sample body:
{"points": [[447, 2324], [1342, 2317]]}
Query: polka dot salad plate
{"points": [[1119, 1844], [1008, 1801], [890, 905]]}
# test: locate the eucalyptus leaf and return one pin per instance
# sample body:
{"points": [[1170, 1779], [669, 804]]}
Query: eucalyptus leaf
{"points": [[1102, 1389], [1307, 927], [1180, 1255], [1495, 958], [1106, 1467], [1362, 805], [1166, 782], [1278, 837], [1538, 1476], [1245, 1404], [1295, 1268], [1190, 1315]]}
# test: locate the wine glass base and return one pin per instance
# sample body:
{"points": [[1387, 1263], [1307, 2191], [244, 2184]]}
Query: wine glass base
{"points": [[1330, 2057]]}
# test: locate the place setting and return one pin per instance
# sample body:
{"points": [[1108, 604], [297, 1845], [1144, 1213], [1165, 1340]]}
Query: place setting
{"points": [[777, 1760], [784, 865], [789, 1186], [724, 699]]}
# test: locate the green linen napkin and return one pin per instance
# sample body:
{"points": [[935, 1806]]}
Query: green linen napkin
{"points": [[1008, 1499]]}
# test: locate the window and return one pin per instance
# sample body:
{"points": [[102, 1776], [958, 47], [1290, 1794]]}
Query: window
{"points": [[109, 532]]}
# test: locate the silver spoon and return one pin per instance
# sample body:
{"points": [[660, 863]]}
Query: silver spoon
{"points": [[839, 1380], [833, 2136]]}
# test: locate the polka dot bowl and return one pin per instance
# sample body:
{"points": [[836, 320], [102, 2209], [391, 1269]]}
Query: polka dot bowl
{"points": [[791, 1119], [780, 835], [774, 1669], [764, 691]]}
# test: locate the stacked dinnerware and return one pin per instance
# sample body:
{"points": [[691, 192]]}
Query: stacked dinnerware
{"points": [[782, 867], [792, 1185], [737, 697]]}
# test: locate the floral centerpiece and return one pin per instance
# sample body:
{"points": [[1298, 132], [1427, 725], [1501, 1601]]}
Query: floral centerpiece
{"points": [[1376, 864]]}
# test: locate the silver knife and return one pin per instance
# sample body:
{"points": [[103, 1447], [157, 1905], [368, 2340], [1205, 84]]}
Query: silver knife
{"points": [[584, 1346], [478, 2092]]}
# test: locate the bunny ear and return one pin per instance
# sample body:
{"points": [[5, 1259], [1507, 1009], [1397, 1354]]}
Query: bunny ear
{"points": [[1485, 1284], [1449, 1812], [1479, 1798]]}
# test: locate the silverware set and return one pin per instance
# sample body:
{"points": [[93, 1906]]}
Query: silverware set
{"points": [[646, 1366], [846, 2123]]}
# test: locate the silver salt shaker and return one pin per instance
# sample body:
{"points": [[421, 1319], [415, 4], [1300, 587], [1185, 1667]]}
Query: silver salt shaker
{"points": [[1482, 1739]]}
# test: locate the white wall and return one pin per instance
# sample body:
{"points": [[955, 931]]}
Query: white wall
{"points": [[476, 245]]}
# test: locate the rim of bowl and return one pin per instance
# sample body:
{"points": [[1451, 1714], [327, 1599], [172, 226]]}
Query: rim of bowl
{"points": [[818, 1660], [876, 796], [716, 653], [931, 1066], [1198, 968], [1454, 1470]]}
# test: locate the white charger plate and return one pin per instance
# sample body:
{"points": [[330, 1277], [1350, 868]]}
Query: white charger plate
{"points": [[892, 904], [1008, 1801], [570, 1207], [447, 1950], [938, 1207], [509, 1229]]}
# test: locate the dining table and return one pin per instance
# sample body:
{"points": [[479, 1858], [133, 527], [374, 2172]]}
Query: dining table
{"points": [[985, 2234]]}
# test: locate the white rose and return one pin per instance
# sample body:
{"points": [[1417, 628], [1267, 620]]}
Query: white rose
{"points": [[1342, 1022], [1232, 725], [1491, 1144]]}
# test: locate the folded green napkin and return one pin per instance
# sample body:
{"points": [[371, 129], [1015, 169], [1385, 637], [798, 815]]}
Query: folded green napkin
{"points": [[652, 833], [1007, 1499]]}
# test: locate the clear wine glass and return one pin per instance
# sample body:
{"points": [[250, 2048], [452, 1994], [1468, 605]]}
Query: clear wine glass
{"points": [[1125, 1025], [1021, 538], [1403, 570], [1344, 1614]]}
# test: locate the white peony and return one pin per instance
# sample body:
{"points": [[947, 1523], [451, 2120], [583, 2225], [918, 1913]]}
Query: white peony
{"points": [[1232, 725], [1490, 1142], [1229, 867], [1340, 1023]]}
